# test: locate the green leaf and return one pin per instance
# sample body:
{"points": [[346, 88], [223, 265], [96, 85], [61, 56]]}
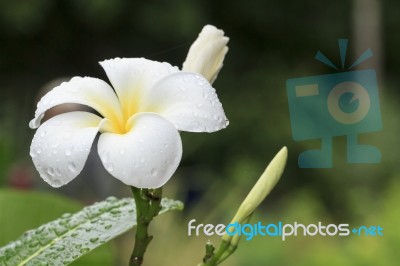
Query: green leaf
{"points": [[21, 210], [66, 239]]}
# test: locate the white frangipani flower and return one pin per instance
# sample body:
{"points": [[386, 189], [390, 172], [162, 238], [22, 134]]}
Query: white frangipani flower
{"points": [[139, 122], [207, 53]]}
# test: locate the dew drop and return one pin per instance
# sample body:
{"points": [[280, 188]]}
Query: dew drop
{"points": [[58, 172], [115, 211], [55, 145], [50, 171], [111, 199], [84, 250], [105, 157], [56, 183], [122, 151], [66, 215], [68, 152], [71, 166], [154, 172], [110, 167], [94, 239], [33, 244], [108, 226]]}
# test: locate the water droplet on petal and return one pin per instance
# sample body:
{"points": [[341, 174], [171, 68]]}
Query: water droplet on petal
{"points": [[71, 167], [105, 156], [56, 182], [122, 151], [50, 171], [55, 145], [154, 172], [58, 172], [110, 167], [68, 152]]}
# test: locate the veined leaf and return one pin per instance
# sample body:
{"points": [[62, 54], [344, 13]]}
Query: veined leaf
{"points": [[16, 217], [66, 239]]}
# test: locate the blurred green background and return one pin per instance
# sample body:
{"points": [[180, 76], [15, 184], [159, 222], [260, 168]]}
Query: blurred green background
{"points": [[270, 42]]}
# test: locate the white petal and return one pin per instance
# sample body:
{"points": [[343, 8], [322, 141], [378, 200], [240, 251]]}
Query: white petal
{"points": [[207, 53], [88, 91], [146, 156], [188, 101], [131, 77], [62, 144]]}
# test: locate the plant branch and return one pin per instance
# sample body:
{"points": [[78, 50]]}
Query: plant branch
{"points": [[148, 205]]}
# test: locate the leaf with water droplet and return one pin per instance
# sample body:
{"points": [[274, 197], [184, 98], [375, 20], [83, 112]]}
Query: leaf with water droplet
{"points": [[66, 239]]}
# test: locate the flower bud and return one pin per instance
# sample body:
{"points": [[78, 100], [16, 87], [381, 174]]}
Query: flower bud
{"points": [[263, 187], [207, 53]]}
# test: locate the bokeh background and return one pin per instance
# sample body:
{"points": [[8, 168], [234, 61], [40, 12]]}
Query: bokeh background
{"points": [[271, 41]]}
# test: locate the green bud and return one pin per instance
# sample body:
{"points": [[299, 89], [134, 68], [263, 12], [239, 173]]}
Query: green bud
{"points": [[261, 189]]}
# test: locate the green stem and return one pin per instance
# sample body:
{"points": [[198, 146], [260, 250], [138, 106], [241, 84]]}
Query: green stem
{"points": [[214, 260], [148, 205]]}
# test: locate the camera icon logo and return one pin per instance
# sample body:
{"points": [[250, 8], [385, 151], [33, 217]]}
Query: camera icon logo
{"points": [[339, 104], [357, 92]]}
